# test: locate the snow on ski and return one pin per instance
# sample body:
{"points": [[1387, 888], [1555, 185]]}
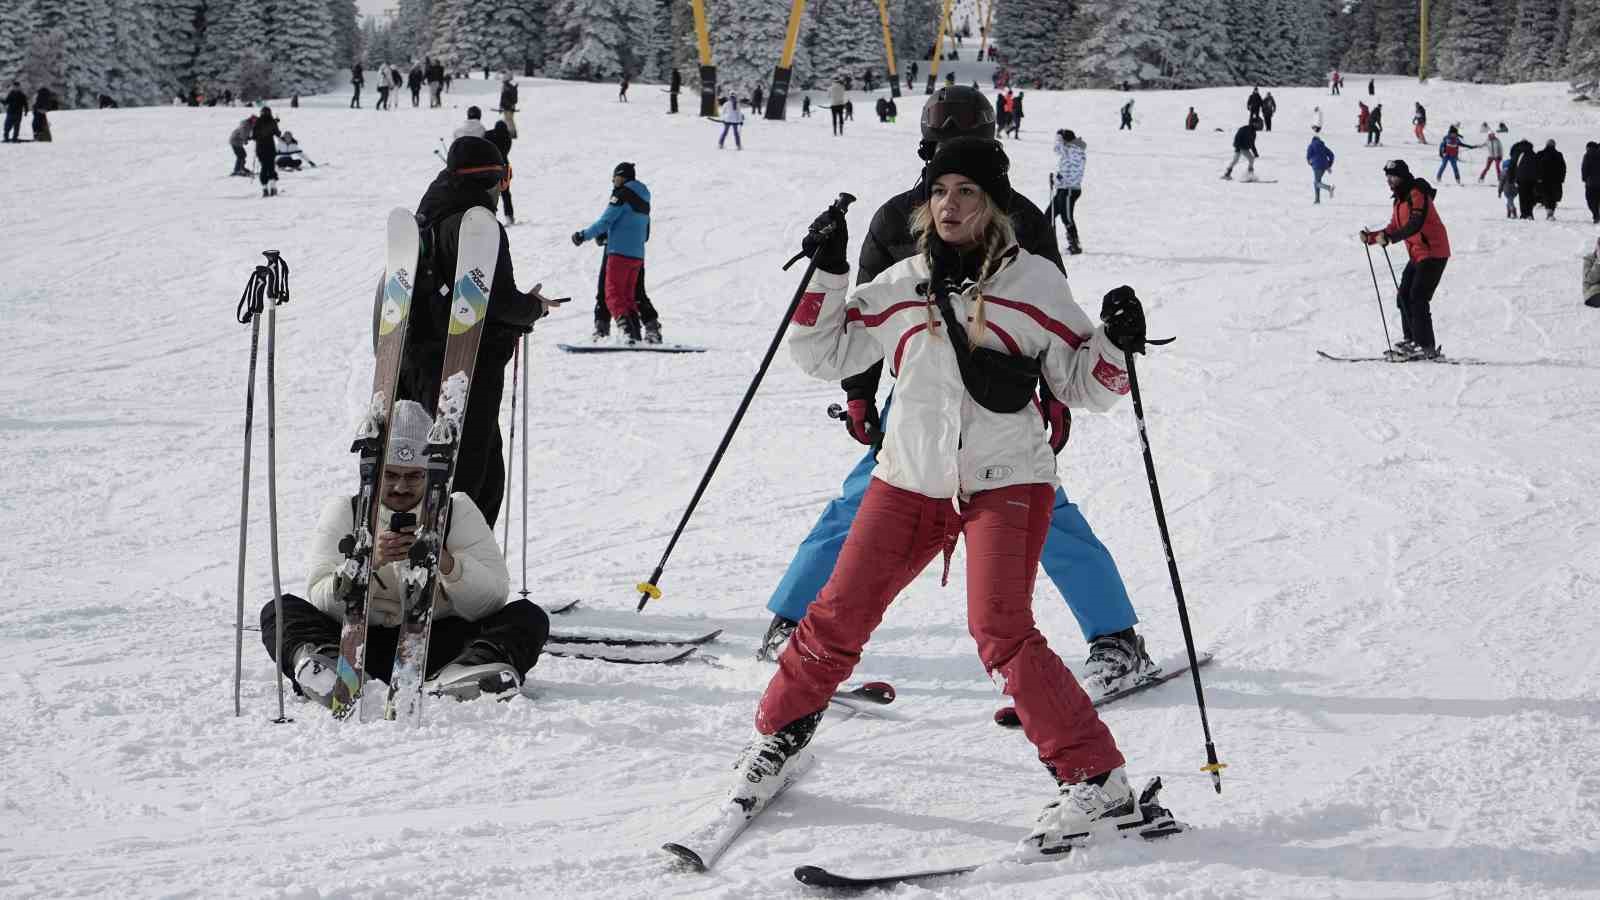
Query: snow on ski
{"points": [[643, 656], [1006, 716], [1438, 360], [708, 637], [1158, 823], [707, 841]]}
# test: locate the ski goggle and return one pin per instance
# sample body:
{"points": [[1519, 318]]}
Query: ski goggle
{"points": [[503, 171], [961, 117]]}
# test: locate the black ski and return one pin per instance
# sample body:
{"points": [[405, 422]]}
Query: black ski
{"points": [[706, 638], [563, 608], [1006, 716], [1157, 823]]}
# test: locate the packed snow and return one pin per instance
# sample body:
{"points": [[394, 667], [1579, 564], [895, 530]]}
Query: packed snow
{"points": [[1395, 565]]}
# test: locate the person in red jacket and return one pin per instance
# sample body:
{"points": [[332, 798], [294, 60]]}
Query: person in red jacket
{"points": [[1415, 221]]}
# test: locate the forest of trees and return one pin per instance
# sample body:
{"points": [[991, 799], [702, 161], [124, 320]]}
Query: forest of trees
{"points": [[149, 51]]}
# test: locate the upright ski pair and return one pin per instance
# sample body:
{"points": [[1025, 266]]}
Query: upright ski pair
{"points": [[478, 248]]}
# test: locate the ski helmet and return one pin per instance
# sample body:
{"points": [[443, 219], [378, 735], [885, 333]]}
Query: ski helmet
{"points": [[476, 162], [957, 111]]}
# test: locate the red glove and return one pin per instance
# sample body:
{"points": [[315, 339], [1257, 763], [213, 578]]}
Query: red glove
{"points": [[861, 420], [1057, 418]]}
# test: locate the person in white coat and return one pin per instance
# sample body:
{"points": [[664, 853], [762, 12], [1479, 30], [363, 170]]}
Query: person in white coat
{"points": [[479, 642], [836, 101], [472, 127], [968, 326], [732, 120], [1316, 118], [1067, 180]]}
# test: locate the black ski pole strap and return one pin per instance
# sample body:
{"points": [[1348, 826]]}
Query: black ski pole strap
{"points": [[277, 277], [253, 300]]}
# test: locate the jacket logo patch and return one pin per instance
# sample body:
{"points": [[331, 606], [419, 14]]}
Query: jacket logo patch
{"points": [[810, 307], [994, 473], [1114, 379]]}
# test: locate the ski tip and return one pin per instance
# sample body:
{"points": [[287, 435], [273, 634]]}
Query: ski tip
{"points": [[816, 876], [1006, 717], [878, 692], [686, 856]]}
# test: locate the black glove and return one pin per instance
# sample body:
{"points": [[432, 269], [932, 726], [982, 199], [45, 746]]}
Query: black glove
{"points": [[577, 239], [1123, 317], [600, 239], [827, 247]]}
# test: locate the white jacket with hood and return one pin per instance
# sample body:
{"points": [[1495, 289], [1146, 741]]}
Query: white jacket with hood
{"points": [[939, 442], [478, 585]]}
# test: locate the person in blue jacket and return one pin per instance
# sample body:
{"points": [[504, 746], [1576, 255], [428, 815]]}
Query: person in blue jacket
{"points": [[1450, 152], [1076, 561], [624, 228], [1320, 158]]}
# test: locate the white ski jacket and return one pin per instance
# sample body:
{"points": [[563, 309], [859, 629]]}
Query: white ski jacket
{"points": [[476, 587], [1071, 159], [939, 442]]}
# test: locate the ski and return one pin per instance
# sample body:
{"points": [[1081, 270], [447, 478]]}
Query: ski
{"points": [[355, 573], [707, 841], [1157, 823], [708, 637], [635, 656], [477, 249], [1006, 716], [640, 347], [563, 608], [1439, 360]]}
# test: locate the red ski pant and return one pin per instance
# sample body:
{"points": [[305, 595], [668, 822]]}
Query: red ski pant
{"points": [[622, 280], [894, 536]]}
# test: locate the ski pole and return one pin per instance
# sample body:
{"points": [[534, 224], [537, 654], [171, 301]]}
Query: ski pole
{"points": [[648, 589], [511, 447], [1391, 267], [1212, 765], [249, 313], [277, 290], [1382, 317], [524, 553]]}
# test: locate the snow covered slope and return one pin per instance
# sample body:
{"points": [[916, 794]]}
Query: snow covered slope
{"points": [[1395, 565]]}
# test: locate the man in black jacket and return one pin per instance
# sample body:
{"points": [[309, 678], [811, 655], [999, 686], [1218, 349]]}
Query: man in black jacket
{"points": [[1074, 558], [16, 108], [1590, 172], [1552, 171], [473, 175], [265, 135], [1526, 173], [673, 91], [1244, 147], [508, 102]]}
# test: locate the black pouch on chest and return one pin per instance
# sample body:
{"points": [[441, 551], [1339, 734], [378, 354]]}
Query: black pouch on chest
{"points": [[1000, 382]]}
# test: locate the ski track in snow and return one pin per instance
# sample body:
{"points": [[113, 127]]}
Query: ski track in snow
{"points": [[1394, 564]]}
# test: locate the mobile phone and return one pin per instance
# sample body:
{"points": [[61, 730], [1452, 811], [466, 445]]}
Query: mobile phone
{"points": [[402, 521]]}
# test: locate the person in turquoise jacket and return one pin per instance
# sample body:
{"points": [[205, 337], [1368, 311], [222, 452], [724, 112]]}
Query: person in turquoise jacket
{"points": [[624, 228]]}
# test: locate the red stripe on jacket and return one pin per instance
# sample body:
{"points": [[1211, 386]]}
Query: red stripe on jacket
{"points": [[1055, 327]]}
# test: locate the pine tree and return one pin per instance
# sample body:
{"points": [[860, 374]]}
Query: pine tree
{"points": [[1119, 41], [412, 31], [302, 47], [1397, 36], [602, 37], [180, 28], [1440, 14], [449, 20], [132, 74], [1248, 28], [1363, 30], [912, 24], [1583, 43], [345, 20], [85, 27], [848, 39], [1474, 43], [1030, 35], [1197, 52], [21, 18], [1532, 43], [748, 40]]}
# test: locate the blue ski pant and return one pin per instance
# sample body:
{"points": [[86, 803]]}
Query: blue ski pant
{"points": [[1074, 559], [1454, 167]]}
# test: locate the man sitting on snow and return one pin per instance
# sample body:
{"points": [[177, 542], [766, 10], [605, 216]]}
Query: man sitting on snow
{"points": [[479, 642]]}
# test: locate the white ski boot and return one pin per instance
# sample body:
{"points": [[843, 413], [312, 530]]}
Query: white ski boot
{"points": [[315, 671], [759, 770], [482, 668], [1082, 811]]}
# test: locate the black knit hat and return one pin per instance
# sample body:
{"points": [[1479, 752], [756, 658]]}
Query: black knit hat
{"points": [[982, 160], [1397, 167], [476, 161], [625, 169]]}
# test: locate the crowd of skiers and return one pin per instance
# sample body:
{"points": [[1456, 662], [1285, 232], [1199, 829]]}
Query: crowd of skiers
{"points": [[392, 79]]}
